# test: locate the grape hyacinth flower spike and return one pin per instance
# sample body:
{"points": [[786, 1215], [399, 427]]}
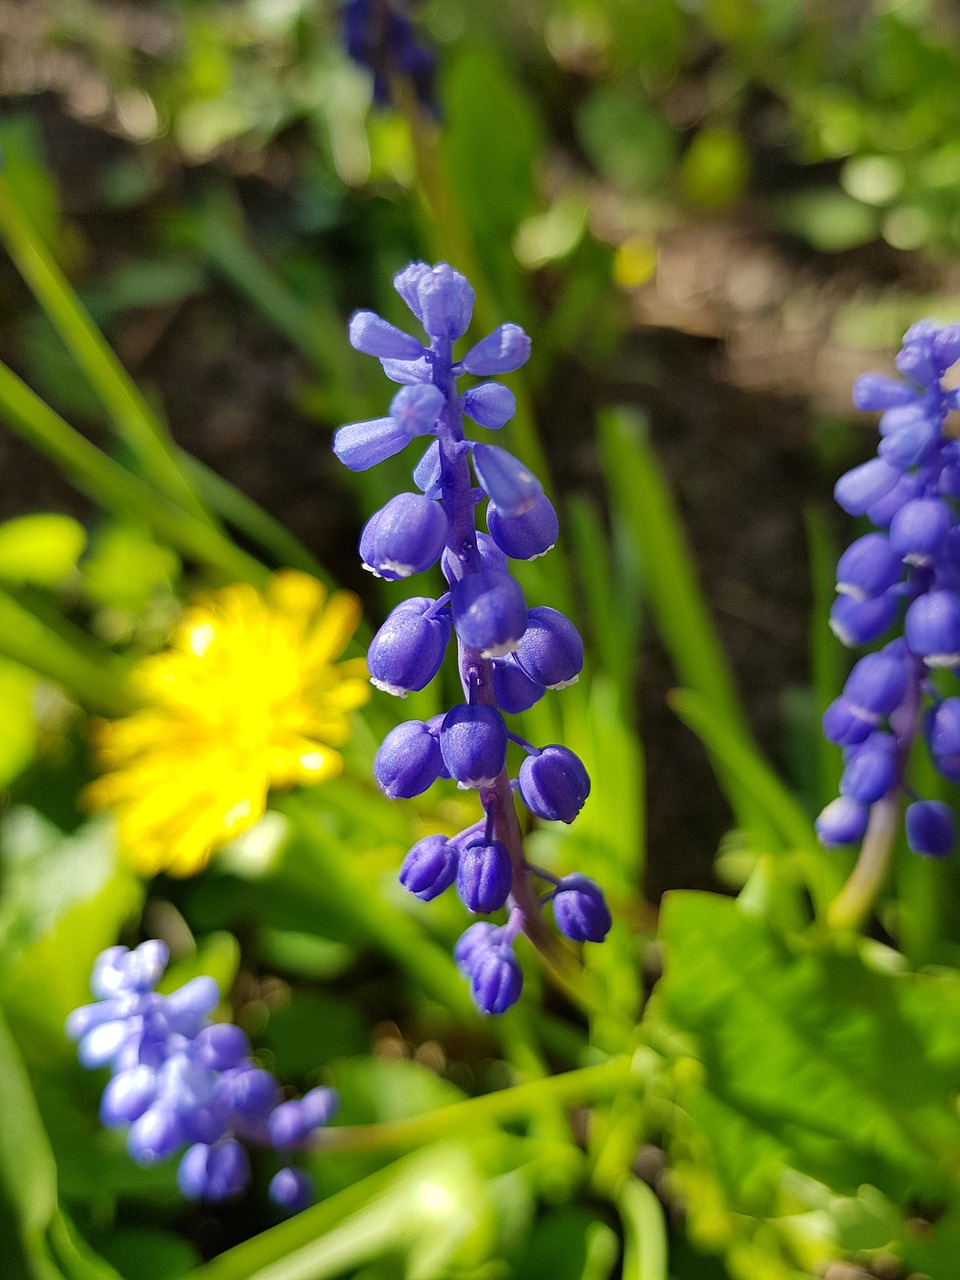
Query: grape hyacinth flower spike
{"points": [[905, 574], [179, 1080], [381, 36], [508, 655]]}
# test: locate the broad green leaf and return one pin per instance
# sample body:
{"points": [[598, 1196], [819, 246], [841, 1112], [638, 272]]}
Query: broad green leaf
{"points": [[40, 549]]}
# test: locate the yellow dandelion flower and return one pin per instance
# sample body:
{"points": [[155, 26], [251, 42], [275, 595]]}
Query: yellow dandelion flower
{"points": [[247, 697]]}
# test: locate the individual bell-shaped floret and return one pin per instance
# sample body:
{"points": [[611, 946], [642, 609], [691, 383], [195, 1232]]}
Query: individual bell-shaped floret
{"points": [[912, 445], [527, 536], [858, 489], [876, 391], [502, 351], [554, 784], [876, 684], [220, 1046], [186, 1009], [251, 1093], [291, 1189], [580, 909], [427, 472], [550, 651], [868, 568], [128, 1095], [361, 445], [932, 628], [930, 829], [845, 724], [484, 876], [473, 942], [473, 743], [119, 970], [416, 408], [429, 868], [513, 688], [156, 1133], [491, 558], [214, 1173], [408, 761], [404, 537], [489, 405], [919, 530], [945, 346], [489, 612], [942, 731], [408, 650], [441, 298], [842, 822], [511, 487], [871, 769], [377, 337], [497, 979], [856, 623]]}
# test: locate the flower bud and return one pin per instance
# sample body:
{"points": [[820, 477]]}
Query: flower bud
{"points": [[291, 1189], [491, 558], [426, 474], [876, 685], [252, 1092], [929, 826], [287, 1125], [361, 445], [554, 784], [128, 1095], [842, 822], [186, 1009], [155, 1134], [221, 1046], [943, 736], [416, 408], [527, 536], [441, 298], [408, 650], [473, 744], [489, 612], [919, 530], [502, 351], [404, 537], [871, 769], [511, 487], [376, 337], [857, 489], [867, 568], [228, 1171], [932, 628], [318, 1107], [580, 910], [884, 509], [550, 651], [429, 868], [497, 979], [408, 762], [845, 724], [513, 688], [490, 405], [855, 623], [910, 446], [873, 391], [471, 945], [484, 877]]}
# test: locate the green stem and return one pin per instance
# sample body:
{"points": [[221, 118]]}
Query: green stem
{"points": [[110, 484], [588, 1084], [853, 903], [134, 421], [101, 686]]}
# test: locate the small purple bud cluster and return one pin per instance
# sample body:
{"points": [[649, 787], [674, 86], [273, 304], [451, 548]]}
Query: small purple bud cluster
{"points": [[381, 36], [508, 655], [179, 1078], [911, 561]]}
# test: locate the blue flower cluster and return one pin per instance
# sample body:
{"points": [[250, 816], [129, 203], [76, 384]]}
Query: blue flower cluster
{"points": [[909, 563], [381, 36], [179, 1078], [508, 655]]}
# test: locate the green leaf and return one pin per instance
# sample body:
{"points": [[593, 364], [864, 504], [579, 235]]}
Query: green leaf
{"points": [[18, 725], [40, 549], [126, 566], [715, 168]]}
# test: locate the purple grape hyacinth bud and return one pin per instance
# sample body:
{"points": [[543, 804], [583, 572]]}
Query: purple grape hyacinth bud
{"points": [[580, 909], [408, 762], [550, 651], [361, 445], [502, 351], [527, 536], [376, 337], [919, 530], [473, 743], [930, 829], [932, 628], [842, 822], [291, 1189], [845, 724], [404, 537], [429, 868], [441, 298], [408, 650], [554, 784], [515, 691], [497, 979], [855, 623], [873, 391], [510, 486], [876, 685], [473, 942], [484, 876], [871, 769], [859, 488], [490, 405], [868, 568], [416, 408], [489, 612]]}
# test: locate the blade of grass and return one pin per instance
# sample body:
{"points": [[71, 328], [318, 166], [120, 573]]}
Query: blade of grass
{"points": [[134, 421], [112, 486]]}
